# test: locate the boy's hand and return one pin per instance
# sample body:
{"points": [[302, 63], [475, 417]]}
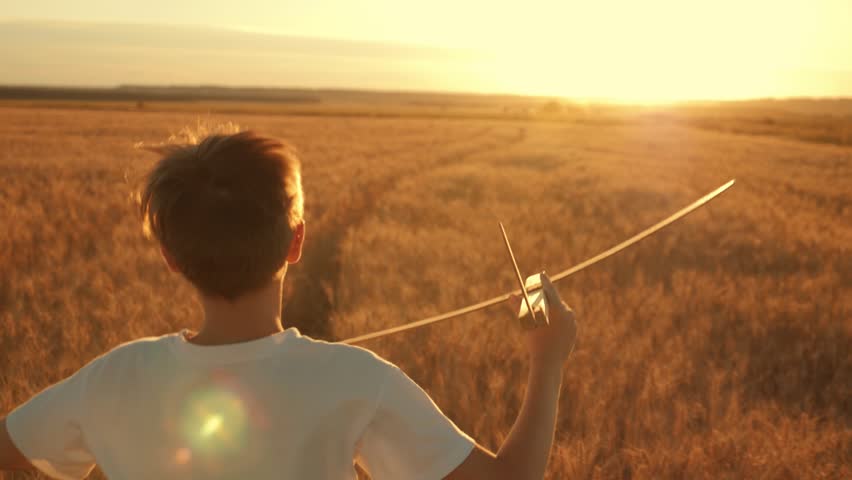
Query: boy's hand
{"points": [[525, 451], [550, 345]]}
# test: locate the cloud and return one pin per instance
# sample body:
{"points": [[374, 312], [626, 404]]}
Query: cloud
{"points": [[77, 53]]}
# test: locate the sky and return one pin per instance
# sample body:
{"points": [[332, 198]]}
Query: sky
{"points": [[646, 51]]}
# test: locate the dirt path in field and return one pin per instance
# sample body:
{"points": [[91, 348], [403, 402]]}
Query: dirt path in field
{"points": [[309, 292]]}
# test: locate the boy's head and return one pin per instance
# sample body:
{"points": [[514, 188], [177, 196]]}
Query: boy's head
{"points": [[227, 212]]}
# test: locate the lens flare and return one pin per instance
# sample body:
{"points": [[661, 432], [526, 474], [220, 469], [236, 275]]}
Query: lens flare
{"points": [[211, 426], [213, 422], [182, 456]]}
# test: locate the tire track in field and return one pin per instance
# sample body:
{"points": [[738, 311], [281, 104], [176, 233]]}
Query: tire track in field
{"points": [[309, 293]]}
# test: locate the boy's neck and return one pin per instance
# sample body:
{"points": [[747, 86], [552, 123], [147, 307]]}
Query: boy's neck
{"points": [[250, 317]]}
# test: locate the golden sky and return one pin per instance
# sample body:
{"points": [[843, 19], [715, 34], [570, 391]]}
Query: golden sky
{"points": [[650, 50]]}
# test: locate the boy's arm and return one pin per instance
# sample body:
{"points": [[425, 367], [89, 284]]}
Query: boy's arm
{"points": [[45, 432], [10, 457], [525, 451]]}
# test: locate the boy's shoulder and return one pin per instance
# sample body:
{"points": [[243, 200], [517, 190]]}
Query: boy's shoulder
{"points": [[343, 354], [141, 346], [336, 360], [292, 342], [131, 352], [344, 371]]}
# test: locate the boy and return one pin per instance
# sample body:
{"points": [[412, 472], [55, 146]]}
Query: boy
{"points": [[243, 397]]}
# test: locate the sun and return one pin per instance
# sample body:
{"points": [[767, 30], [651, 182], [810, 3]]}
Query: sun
{"points": [[648, 52]]}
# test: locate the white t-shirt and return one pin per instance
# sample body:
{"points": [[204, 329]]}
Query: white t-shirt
{"points": [[284, 406]]}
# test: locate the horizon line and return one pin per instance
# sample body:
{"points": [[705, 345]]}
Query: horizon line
{"points": [[402, 91]]}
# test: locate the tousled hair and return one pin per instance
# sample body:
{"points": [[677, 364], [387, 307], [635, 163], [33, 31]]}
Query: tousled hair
{"points": [[225, 210]]}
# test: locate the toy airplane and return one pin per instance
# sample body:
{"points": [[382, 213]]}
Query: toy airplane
{"points": [[536, 301], [533, 309]]}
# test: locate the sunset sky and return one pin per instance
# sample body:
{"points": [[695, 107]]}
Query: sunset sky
{"points": [[653, 50]]}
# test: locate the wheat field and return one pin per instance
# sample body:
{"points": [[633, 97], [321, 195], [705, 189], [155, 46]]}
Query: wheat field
{"points": [[719, 348]]}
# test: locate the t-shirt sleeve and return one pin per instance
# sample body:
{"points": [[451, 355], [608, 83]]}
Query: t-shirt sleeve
{"points": [[48, 429], [409, 438]]}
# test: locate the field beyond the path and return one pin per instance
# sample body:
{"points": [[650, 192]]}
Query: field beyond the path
{"points": [[719, 348]]}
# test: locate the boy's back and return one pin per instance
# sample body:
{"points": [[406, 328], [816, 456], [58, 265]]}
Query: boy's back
{"points": [[284, 406]]}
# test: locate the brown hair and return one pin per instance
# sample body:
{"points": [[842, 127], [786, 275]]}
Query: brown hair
{"points": [[225, 210]]}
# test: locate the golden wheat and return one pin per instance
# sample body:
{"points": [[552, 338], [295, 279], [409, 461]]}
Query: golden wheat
{"points": [[718, 348]]}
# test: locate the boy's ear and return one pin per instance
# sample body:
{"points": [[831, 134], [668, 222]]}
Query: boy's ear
{"points": [[170, 261], [295, 252]]}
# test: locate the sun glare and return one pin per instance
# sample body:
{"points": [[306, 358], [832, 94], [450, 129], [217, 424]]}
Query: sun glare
{"points": [[211, 426], [214, 421], [660, 50]]}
